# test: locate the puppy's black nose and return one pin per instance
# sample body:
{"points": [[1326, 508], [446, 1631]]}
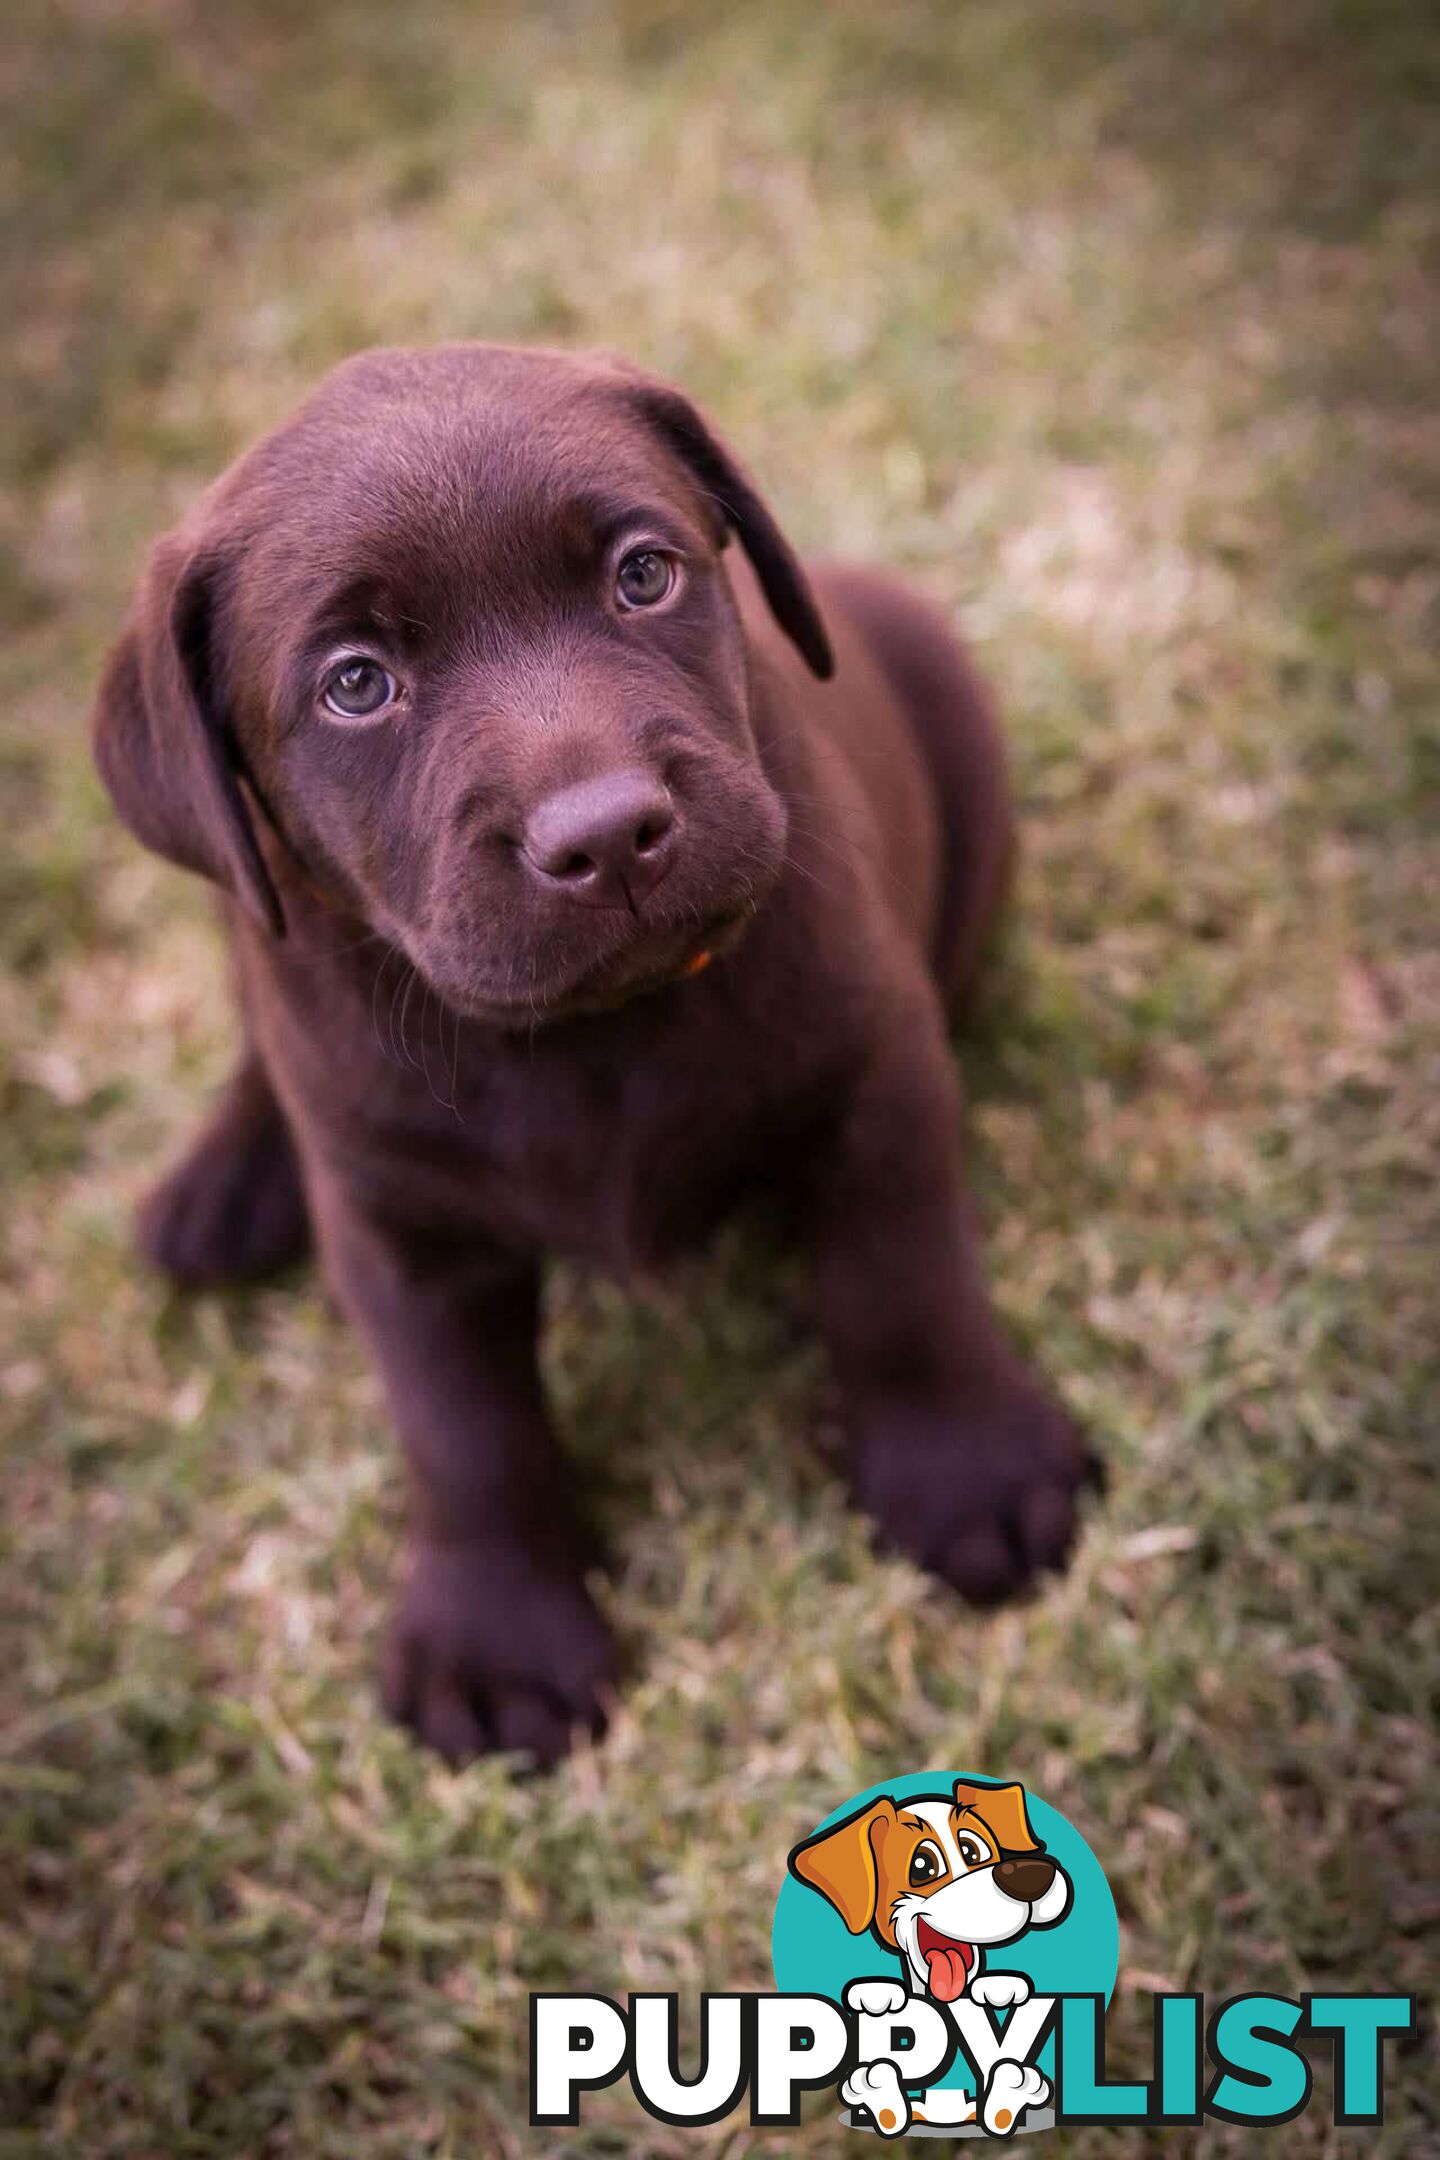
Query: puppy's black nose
{"points": [[1025, 1879], [607, 842]]}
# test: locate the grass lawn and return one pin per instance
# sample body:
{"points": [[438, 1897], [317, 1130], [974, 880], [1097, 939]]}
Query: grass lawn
{"points": [[1115, 326]]}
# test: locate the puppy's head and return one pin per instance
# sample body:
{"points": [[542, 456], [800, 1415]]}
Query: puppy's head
{"points": [[459, 634], [938, 1880]]}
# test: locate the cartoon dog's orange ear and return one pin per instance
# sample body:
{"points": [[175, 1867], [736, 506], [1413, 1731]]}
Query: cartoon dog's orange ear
{"points": [[1003, 1808], [840, 1863]]}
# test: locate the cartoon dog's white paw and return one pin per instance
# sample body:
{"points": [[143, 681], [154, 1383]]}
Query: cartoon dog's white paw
{"points": [[876, 1998], [1013, 2087], [999, 1991], [876, 2086]]}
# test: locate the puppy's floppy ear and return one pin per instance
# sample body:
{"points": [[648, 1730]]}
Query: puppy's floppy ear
{"points": [[720, 474], [1003, 1808], [841, 1863], [162, 744]]}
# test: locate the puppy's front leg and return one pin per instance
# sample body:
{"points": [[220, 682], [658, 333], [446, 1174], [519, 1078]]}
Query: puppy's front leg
{"points": [[961, 1456], [496, 1642]]}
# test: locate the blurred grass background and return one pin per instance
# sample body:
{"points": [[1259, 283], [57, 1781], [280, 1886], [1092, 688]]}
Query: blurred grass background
{"points": [[1115, 326]]}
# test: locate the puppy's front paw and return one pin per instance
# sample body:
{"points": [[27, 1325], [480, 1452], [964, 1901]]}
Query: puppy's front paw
{"points": [[1000, 1990], [1012, 2088], [876, 1998], [985, 1495], [876, 2086], [488, 1654]]}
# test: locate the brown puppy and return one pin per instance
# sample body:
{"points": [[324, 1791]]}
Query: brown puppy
{"points": [[580, 881]]}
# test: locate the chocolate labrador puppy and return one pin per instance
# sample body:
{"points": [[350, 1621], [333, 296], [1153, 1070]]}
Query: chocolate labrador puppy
{"points": [[582, 879]]}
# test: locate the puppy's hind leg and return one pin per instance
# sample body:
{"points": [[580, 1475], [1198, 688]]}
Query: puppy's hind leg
{"points": [[233, 1209]]}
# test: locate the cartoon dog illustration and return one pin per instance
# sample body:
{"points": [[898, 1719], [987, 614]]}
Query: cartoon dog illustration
{"points": [[939, 1881]]}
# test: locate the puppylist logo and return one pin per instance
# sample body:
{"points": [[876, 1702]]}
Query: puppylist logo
{"points": [[944, 1951], [954, 1889]]}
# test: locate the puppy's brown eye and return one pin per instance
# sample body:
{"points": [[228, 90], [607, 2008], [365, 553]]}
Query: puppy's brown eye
{"points": [[357, 688], [645, 578], [927, 1865], [971, 1851]]}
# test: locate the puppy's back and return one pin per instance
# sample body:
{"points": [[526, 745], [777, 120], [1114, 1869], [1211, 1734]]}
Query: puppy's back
{"points": [[907, 740]]}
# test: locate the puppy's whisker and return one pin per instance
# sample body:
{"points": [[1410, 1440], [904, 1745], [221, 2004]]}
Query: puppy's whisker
{"points": [[379, 978], [844, 850], [844, 847], [405, 1015], [323, 954], [432, 1090], [393, 1051], [454, 1058], [812, 877], [398, 1045], [424, 1046]]}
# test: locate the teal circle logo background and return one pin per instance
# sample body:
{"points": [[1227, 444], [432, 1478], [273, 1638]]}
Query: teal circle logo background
{"points": [[814, 1953]]}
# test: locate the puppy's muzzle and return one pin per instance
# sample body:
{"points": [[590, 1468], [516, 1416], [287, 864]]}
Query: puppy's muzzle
{"points": [[605, 842]]}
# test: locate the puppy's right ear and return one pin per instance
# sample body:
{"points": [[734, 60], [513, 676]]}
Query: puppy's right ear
{"points": [[840, 1863], [163, 746]]}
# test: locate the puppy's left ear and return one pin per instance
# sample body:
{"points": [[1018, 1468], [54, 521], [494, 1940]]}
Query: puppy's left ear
{"points": [[1003, 1808], [164, 746], [724, 479], [841, 1864]]}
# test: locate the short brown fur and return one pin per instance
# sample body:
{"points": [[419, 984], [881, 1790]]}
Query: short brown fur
{"points": [[562, 1077]]}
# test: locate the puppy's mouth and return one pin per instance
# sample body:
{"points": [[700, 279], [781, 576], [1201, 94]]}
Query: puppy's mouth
{"points": [[636, 971], [679, 957], [948, 1963]]}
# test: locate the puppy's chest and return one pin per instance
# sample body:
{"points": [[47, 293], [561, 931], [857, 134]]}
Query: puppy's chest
{"points": [[618, 1142], [621, 1163]]}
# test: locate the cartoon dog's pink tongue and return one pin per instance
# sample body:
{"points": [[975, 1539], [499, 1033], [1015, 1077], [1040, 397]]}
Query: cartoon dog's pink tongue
{"points": [[948, 1962]]}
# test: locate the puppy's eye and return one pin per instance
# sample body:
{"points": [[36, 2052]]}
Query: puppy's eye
{"points": [[645, 578], [359, 688], [971, 1851], [927, 1865]]}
